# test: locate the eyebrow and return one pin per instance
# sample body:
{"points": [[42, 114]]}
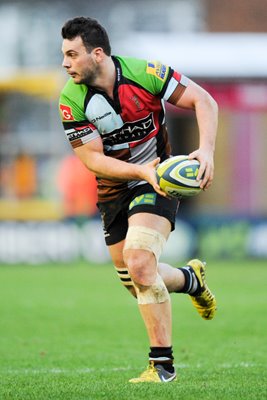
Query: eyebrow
{"points": [[71, 51]]}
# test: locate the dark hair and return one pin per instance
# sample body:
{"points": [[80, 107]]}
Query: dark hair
{"points": [[91, 32]]}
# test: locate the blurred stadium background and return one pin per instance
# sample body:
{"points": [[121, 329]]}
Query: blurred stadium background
{"points": [[47, 199]]}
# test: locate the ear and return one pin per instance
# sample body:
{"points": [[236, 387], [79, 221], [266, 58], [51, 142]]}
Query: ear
{"points": [[98, 54]]}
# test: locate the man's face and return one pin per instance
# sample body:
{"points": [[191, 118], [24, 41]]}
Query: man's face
{"points": [[79, 64]]}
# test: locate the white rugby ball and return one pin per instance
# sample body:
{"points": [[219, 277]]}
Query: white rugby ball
{"points": [[177, 175]]}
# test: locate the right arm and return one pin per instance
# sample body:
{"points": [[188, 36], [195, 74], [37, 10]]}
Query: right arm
{"points": [[93, 157]]}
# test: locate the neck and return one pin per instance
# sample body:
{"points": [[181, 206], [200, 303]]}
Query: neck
{"points": [[106, 77]]}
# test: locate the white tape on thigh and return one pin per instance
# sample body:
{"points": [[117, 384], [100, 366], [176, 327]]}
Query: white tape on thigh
{"points": [[142, 238], [154, 294]]}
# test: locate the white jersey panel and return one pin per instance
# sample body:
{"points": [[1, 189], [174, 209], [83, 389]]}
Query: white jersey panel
{"points": [[100, 113]]}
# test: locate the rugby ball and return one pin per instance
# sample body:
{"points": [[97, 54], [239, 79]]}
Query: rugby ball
{"points": [[177, 175]]}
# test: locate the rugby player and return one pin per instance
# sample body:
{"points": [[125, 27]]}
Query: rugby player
{"points": [[112, 109]]}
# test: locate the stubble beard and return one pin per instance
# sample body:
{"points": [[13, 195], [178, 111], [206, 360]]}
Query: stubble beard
{"points": [[89, 77]]}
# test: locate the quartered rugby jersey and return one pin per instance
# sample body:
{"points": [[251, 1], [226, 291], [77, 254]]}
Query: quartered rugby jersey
{"points": [[132, 124]]}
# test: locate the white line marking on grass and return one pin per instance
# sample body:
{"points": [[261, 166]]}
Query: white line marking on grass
{"points": [[80, 371]]}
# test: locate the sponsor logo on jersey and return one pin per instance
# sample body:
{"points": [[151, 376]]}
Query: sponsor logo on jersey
{"points": [[79, 132], [140, 106], [157, 69], [101, 117], [66, 113], [118, 74], [131, 131]]}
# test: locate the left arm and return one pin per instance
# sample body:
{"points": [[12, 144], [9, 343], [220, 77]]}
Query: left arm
{"points": [[206, 109]]}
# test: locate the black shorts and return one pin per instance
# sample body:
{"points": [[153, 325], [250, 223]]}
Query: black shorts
{"points": [[140, 199]]}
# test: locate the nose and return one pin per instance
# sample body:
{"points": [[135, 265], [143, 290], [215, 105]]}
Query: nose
{"points": [[65, 63]]}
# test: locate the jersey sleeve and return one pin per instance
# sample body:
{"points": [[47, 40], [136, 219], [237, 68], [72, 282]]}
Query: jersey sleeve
{"points": [[166, 82], [175, 87], [77, 128]]}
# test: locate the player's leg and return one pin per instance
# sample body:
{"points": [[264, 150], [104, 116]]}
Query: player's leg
{"points": [[189, 279], [194, 285], [115, 224], [146, 236], [175, 281], [173, 278], [142, 263], [116, 253]]}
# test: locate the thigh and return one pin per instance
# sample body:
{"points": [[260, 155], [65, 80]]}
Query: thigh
{"points": [[114, 221], [141, 200], [152, 221], [146, 200], [116, 253]]}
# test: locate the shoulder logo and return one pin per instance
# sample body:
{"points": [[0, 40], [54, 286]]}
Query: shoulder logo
{"points": [[157, 69], [66, 113]]}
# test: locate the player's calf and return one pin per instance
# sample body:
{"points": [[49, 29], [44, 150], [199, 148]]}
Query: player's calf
{"points": [[126, 280]]}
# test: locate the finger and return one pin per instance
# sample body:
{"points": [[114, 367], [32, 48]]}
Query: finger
{"points": [[207, 185], [159, 191], [193, 155], [202, 172], [204, 184], [155, 162], [207, 179], [162, 193]]}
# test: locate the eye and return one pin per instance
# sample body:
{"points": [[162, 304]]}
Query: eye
{"points": [[72, 54]]}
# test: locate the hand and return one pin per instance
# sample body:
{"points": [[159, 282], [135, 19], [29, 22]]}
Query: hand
{"points": [[206, 169], [149, 174]]}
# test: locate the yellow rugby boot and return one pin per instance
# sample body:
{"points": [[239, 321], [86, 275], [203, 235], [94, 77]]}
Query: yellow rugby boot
{"points": [[205, 301], [156, 374]]}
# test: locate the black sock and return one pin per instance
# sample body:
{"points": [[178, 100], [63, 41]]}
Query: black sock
{"points": [[191, 285], [162, 356]]}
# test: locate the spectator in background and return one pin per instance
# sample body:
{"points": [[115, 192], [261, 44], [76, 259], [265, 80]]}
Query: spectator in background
{"points": [[77, 186], [23, 180]]}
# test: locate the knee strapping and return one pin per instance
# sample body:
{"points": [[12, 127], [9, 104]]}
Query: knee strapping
{"points": [[142, 238], [154, 294]]}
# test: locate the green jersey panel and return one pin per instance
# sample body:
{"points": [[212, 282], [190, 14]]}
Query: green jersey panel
{"points": [[72, 102], [152, 75]]}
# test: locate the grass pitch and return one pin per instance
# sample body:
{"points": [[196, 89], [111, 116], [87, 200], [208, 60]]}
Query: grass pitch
{"points": [[73, 333]]}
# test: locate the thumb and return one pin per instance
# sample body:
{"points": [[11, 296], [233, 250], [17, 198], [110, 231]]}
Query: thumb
{"points": [[155, 162]]}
